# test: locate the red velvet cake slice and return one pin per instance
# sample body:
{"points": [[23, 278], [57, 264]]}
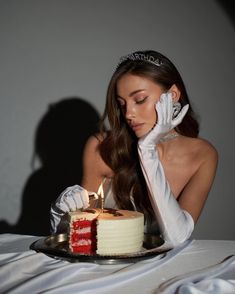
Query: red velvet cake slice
{"points": [[83, 232]]}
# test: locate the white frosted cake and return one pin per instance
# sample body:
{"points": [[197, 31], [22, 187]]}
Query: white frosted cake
{"points": [[111, 232]]}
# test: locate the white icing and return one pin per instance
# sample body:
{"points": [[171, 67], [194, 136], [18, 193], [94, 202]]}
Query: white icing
{"points": [[120, 235]]}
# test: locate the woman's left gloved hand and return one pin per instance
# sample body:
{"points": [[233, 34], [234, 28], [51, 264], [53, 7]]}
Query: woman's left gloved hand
{"points": [[165, 122]]}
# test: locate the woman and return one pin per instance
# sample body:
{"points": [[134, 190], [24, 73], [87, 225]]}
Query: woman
{"points": [[151, 159]]}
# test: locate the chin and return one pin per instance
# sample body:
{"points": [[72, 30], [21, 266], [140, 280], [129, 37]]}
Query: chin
{"points": [[141, 134]]}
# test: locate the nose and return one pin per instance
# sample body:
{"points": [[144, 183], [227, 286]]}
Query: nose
{"points": [[130, 112]]}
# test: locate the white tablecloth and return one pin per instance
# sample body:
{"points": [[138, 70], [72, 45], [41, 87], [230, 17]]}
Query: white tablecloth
{"points": [[198, 266]]}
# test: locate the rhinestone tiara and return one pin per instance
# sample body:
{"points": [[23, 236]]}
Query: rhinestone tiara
{"points": [[141, 57]]}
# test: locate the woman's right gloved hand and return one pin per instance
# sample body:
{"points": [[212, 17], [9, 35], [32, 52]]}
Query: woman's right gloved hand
{"points": [[71, 199]]}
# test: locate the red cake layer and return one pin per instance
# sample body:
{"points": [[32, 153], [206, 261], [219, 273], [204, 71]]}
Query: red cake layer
{"points": [[81, 224], [82, 248], [83, 236], [75, 237]]}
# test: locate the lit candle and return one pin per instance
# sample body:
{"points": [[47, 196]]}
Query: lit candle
{"points": [[101, 195]]}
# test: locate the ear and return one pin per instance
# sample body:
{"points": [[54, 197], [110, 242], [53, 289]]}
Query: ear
{"points": [[175, 93]]}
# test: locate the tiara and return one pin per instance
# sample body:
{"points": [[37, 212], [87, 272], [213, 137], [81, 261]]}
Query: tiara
{"points": [[141, 57]]}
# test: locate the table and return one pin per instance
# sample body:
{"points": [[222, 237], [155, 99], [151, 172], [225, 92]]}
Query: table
{"points": [[196, 264]]}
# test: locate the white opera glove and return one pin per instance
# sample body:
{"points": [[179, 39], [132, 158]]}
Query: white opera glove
{"points": [[176, 225], [71, 199], [165, 123]]}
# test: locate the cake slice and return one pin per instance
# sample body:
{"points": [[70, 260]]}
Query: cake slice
{"points": [[82, 233]]}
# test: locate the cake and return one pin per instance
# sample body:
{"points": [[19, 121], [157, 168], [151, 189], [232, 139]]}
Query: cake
{"points": [[107, 232]]}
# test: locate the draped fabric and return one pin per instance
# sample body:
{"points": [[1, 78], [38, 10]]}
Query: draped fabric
{"points": [[196, 264], [215, 279]]}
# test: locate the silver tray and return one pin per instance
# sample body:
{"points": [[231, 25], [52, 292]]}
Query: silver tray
{"points": [[56, 246]]}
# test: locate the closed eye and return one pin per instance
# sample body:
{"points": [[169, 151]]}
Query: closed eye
{"points": [[142, 100]]}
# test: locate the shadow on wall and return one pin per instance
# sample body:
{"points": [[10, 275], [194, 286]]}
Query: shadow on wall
{"points": [[59, 141]]}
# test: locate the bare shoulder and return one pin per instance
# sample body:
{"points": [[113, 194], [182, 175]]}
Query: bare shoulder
{"points": [[204, 154], [93, 164], [92, 144], [205, 150], [91, 152]]}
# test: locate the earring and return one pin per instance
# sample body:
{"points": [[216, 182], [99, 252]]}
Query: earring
{"points": [[176, 109]]}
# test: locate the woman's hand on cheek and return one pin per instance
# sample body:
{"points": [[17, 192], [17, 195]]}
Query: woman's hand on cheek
{"points": [[165, 122]]}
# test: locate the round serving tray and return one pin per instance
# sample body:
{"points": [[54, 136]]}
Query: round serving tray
{"points": [[56, 246]]}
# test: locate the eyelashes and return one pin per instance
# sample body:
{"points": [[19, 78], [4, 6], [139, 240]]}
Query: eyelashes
{"points": [[141, 101]]}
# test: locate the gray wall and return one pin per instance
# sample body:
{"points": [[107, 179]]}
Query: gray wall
{"points": [[55, 49]]}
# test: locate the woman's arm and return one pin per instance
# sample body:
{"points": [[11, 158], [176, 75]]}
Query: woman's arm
{"points": [[175, 224], [175, 218], [78, 197]]}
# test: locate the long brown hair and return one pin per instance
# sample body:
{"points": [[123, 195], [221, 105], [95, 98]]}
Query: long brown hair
{"points": [[119, 146]]}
